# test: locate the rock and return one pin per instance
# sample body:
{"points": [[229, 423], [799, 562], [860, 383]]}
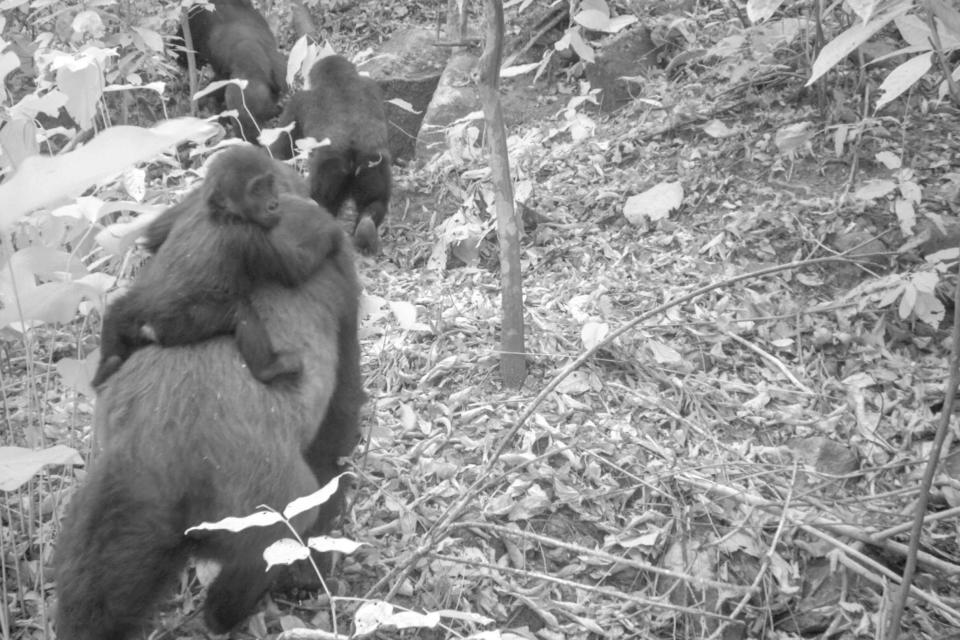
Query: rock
{"points": [[407, 67], [455, 97], [628, 53]]}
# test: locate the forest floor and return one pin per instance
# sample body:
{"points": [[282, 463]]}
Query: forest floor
{"points": [[742, 465], [744, 437], [731, 456]]}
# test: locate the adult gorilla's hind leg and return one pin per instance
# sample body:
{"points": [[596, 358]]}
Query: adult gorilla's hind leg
{"points": [[119, 551], [243, 579], [330, 175], [370, 189]]}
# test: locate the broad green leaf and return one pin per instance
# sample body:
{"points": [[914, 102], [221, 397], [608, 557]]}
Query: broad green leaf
{"points": [[152, 39], [619, 23], [888, 159], [760, 10], [18, 465], [285, 551], [653, 204], [925, 281], [592, 20], [908, 301], [903, 77], [863, 8], [235, 524], [108, 154], [315, 499], [298, 53], [77, 374], [841, 46], [949, 16], [929, 309], [593, 333], [914, 31], [51, 302], [664, 354], [328, 543]]}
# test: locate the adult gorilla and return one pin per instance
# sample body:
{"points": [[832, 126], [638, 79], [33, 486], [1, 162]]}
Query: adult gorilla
{"points": [[189, 435], [237, 42]]}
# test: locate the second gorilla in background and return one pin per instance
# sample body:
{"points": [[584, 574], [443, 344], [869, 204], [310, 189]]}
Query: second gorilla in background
{"points": [[237, 42], [348, 109]]}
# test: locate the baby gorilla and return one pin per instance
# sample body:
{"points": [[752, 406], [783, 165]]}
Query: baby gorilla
{"points": [[241, 198]]}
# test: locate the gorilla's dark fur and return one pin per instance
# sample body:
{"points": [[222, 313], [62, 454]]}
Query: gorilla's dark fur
{"points": [[188, 436], [348, 109], [237, 42], [177, 303]]}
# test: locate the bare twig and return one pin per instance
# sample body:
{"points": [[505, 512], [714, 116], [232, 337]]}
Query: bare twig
{"points": [[606, 591], [776, 362], [893, 632], [603, 555]]}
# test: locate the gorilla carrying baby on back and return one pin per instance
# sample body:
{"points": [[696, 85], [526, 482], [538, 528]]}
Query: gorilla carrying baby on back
{"points": [[189, 435]]}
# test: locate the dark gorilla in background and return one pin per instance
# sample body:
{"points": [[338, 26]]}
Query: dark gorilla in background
{"points": [[189, 436], [347, 108], [237, 42]]}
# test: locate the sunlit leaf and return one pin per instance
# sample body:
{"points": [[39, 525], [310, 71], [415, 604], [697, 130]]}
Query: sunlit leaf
{"points": [[914, 31], [719, 129], [593, 20], [653, 204], [235, 524], [151, 38], [889, 159], [593, 333], [285, 551], [315, 499], [18, 465], [793, 136], [370, 616], [929, 309], [324, 544], [906, 215], [903, 77], [949, 16], [77, 374], [760, 10], [664, 354], [44, 180], [863, 8], [844, 44]]}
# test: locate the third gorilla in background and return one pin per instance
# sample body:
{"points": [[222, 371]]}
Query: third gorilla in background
{"points": [[237, 42], [348, 109]]}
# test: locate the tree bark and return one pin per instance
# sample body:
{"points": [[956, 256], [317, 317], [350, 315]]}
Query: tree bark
{"points": [[513, 366]]}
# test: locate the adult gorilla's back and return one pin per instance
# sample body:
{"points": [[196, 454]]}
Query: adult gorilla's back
{"points": [[188, 435]]}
